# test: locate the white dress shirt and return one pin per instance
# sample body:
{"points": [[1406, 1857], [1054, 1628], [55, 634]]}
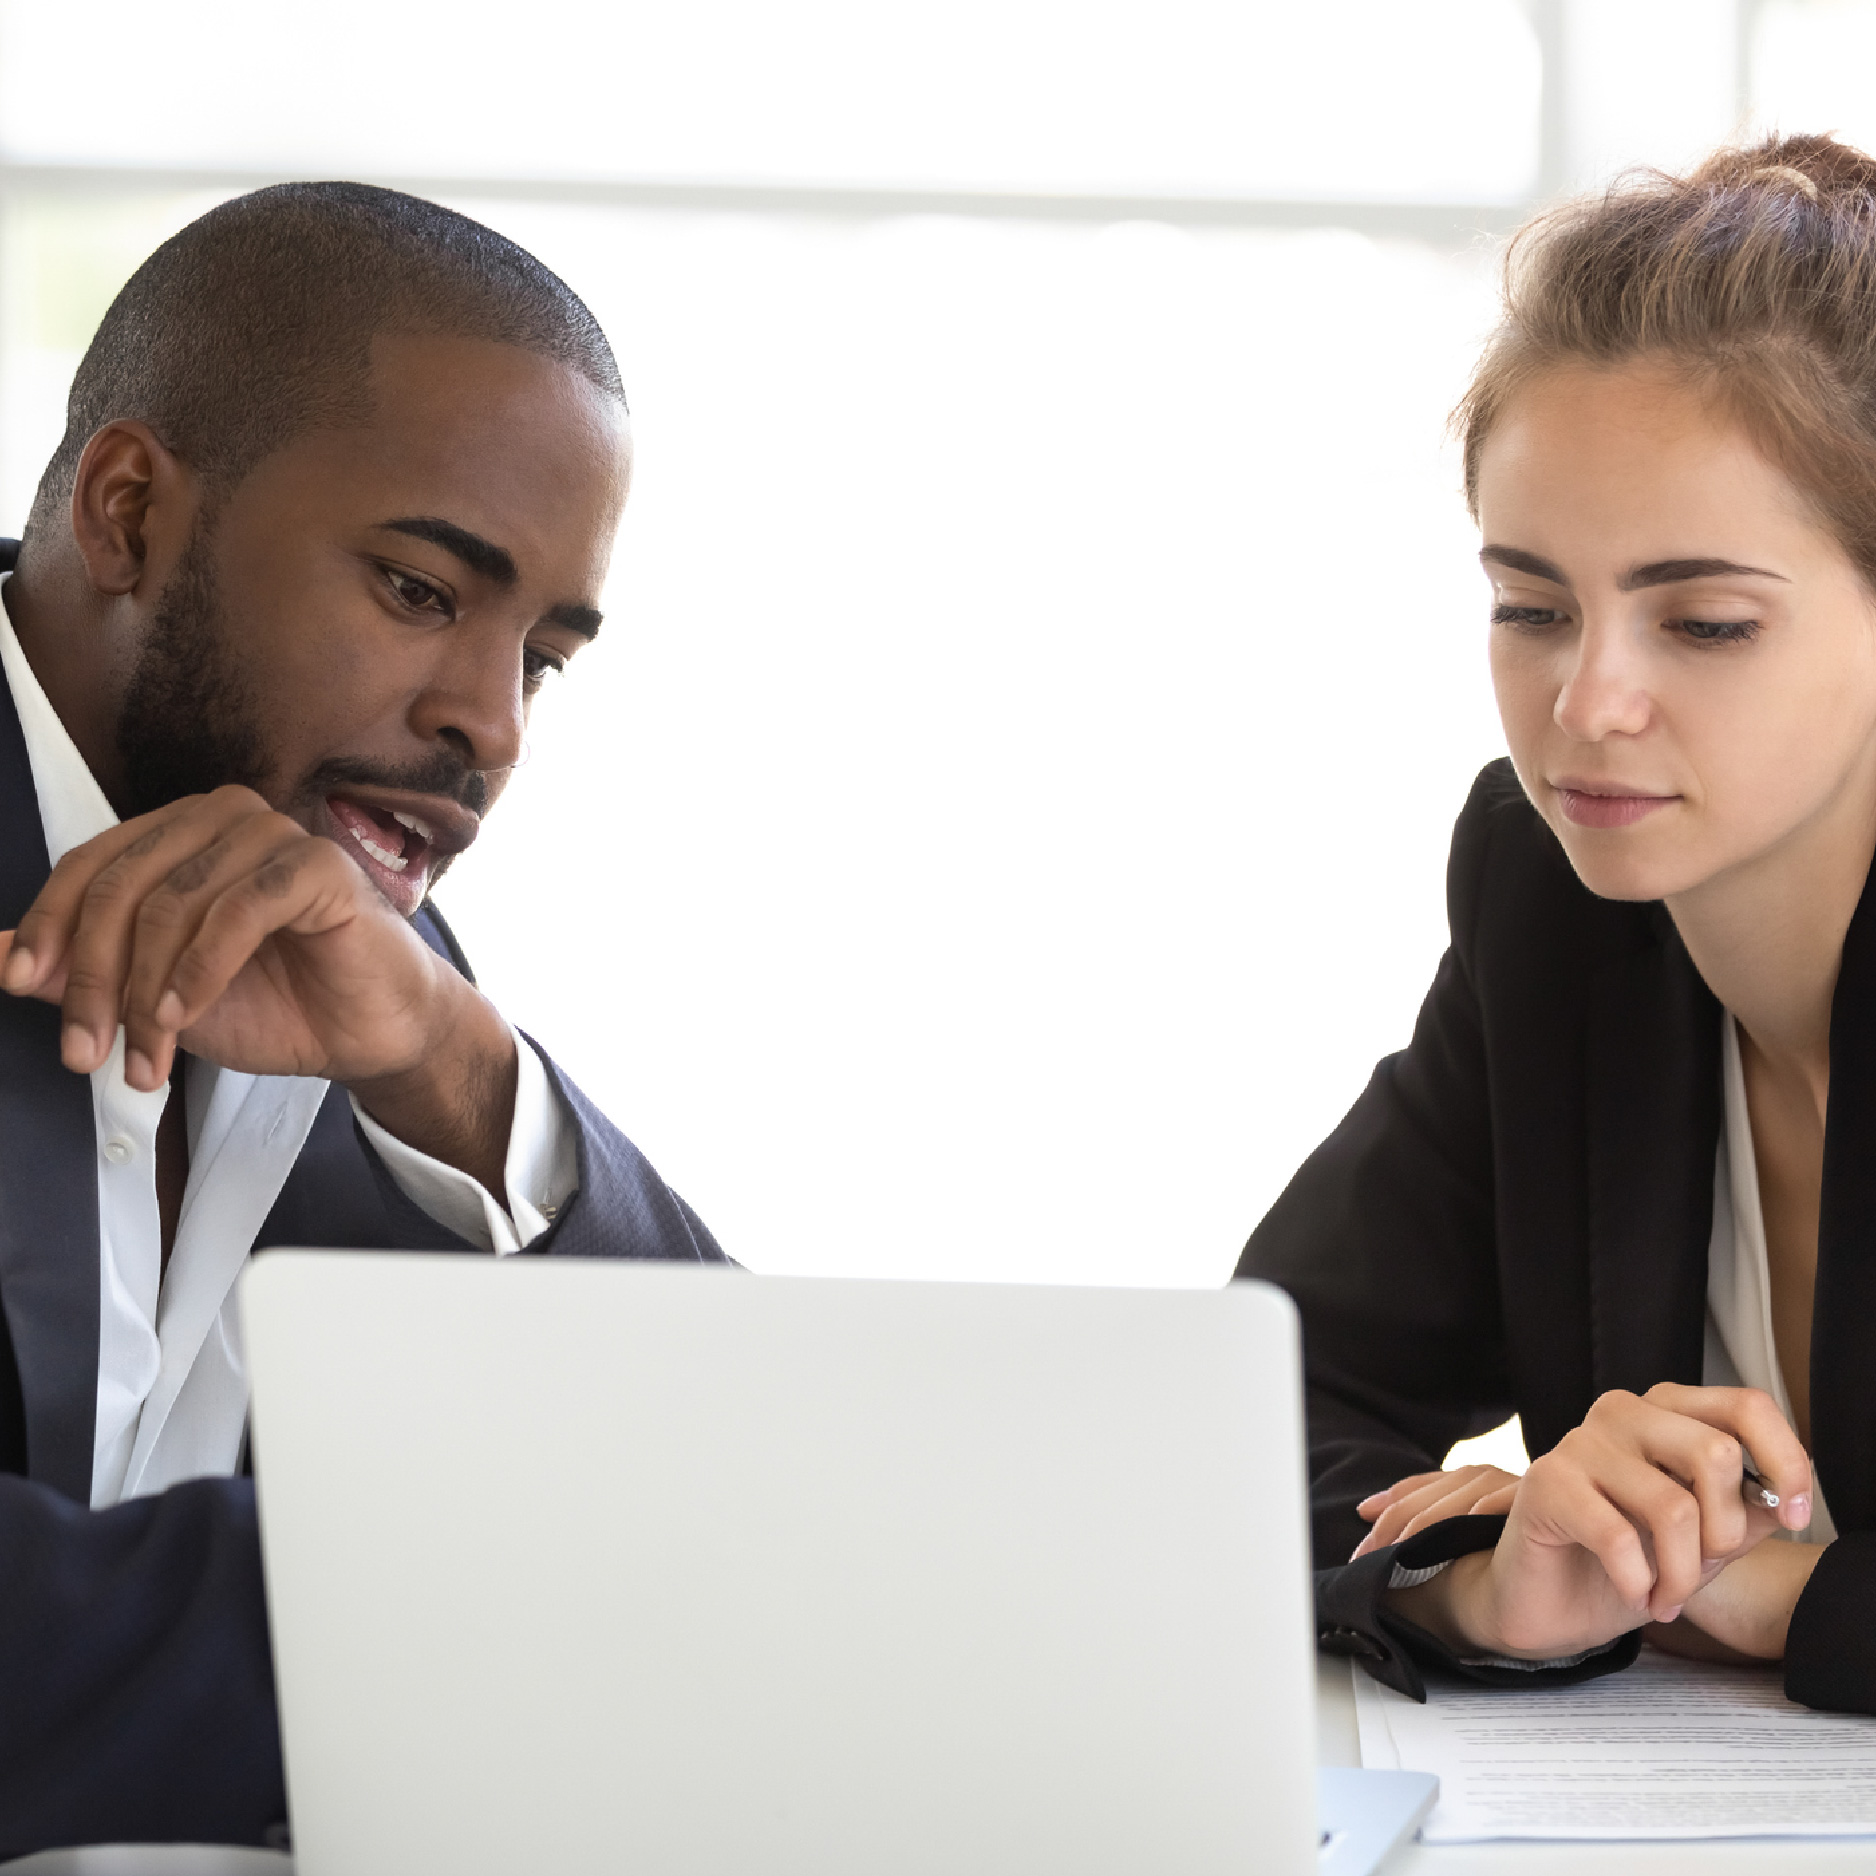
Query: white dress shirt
{"points": [[1741, 1348], [172, 1381]]}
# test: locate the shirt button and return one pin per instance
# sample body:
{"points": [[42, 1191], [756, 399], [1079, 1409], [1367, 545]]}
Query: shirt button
{"points": [[119, 1151]]}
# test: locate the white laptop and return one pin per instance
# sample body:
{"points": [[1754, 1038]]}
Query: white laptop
{"points": [[580, 1566]]}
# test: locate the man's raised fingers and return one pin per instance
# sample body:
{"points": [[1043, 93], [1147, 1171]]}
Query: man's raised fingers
{"points": [[44, 934], [306, 884], [70, 945], [104, 928], [168, 920]]}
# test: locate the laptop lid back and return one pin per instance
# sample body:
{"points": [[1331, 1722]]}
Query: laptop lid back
{"points": [[584, 1566]]}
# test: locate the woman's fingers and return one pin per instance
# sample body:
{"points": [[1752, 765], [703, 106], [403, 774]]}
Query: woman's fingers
{"points": [[1672, 1478], [1375, 1503], [1698, 1465], [1668, 1518], [1560, 1503], [1708, 1455], [1427, 1498], [1751, 1417], [1403, 1500], [1464, 1500]]}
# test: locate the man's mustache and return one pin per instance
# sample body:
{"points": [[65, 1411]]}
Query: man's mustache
{"points": [[441, 774]]}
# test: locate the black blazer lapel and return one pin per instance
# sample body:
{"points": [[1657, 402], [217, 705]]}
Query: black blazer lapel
{"points": [[1843, 1308], [48, 1177], [1652, 1085]]}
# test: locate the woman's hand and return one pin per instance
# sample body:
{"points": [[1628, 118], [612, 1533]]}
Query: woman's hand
{"points": [[1746, 1610], [1411, 1504], [1625, 1521]]}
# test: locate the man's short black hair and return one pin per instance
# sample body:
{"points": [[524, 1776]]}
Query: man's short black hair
{"points": [[255, 323]]}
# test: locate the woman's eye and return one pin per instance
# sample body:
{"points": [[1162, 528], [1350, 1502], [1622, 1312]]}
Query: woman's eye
{"points": [[419, 595], [1528, 618], [538, 666], [1715, 631]]}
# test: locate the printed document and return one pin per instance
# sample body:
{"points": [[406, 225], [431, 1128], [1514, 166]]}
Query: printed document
{"points": [[1667, 1748]]}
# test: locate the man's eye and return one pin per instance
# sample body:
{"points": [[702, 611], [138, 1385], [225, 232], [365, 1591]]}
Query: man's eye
{"points": [[538, 666], [1527, 618], [419, 595], [1715, 631]]}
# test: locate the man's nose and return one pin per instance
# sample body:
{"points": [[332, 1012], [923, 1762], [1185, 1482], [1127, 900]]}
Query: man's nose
{"points": [[474, 701], [1604, 689]]}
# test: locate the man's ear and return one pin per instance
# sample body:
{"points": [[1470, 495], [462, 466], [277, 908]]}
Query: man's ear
{"points": [[133, 506]]}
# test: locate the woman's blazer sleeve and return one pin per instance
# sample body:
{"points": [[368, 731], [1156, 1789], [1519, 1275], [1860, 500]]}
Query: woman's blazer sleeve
{"points": [[1386, 1241], [1830, 1653]]}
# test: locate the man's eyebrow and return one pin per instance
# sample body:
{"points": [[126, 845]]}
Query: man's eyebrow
{"points": [[1672, 572], [493, 563], [582, 619], [479, 556]]}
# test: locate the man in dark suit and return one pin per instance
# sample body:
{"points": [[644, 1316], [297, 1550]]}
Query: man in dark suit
{"points": [[337, 494]]}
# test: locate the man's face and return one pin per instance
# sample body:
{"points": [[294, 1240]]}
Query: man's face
{"points": [[357, 630]]}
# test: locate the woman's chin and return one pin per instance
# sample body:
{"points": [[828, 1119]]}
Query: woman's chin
{"points": [[1631, 870]]}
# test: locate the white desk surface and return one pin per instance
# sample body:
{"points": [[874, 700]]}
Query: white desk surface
{"points": [[1335, 1722]]}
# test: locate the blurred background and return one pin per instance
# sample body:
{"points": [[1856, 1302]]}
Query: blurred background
{"points": [[1004, 817]]}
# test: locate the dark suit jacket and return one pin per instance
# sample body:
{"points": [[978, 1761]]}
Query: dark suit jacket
{"points": [[136, 1687], [1515, 1217]]}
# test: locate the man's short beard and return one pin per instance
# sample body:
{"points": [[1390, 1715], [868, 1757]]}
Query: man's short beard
{"points": [[186, 725]]}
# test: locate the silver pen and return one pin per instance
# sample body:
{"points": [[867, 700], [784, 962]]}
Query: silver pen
{"points": [[1753, 1487]]}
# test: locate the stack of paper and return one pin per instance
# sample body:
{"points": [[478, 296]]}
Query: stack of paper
{"points": [[1667, 1748]]}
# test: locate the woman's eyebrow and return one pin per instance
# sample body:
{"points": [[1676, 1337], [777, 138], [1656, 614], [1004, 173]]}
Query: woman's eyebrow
{"points": [[1520, 562], [1655, 573], [1669, 572]]}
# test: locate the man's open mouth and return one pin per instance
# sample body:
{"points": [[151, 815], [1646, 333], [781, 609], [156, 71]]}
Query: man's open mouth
{"points": [[399, 847]]}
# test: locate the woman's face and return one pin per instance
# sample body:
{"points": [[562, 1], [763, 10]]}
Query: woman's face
{"points": [[1685, 660]]}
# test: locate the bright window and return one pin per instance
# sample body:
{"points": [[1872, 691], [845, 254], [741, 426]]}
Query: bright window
{"points": [[1005, 815]]}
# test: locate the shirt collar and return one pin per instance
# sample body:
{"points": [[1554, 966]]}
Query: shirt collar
{"points": [[72, 807]]}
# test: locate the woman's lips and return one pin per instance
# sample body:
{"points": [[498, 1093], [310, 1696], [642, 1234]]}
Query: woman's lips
{"points": [[1607, 807]]}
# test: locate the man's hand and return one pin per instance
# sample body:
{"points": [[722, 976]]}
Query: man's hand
{"points": [[1625, 1521], [220, 926]]}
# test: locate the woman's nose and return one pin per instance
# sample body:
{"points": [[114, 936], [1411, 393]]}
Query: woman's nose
{"points": [[1604, 692]]}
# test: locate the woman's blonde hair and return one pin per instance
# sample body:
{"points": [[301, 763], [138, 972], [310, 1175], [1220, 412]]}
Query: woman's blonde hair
{"points": [[1754, 277]]}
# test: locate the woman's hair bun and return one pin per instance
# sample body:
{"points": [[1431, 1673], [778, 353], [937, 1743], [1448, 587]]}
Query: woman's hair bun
{"points": [[1788, 177], [1754, 277], [1818, 167]]}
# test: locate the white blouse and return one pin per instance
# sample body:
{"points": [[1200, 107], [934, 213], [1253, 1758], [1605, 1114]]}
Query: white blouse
{"points": [[1741, 1350]]}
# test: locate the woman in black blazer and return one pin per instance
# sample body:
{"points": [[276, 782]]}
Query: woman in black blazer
{"points": [[1663, 939]]}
